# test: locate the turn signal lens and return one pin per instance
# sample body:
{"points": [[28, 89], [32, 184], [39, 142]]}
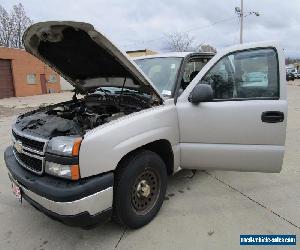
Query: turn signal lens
{"points": [[76, 147], [75, 172]]}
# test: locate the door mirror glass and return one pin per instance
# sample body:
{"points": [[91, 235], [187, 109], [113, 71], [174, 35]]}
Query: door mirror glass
{"points": [[201, 93]]}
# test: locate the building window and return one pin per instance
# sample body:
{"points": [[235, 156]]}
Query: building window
{"points": [[52, 78], [31, 79]]}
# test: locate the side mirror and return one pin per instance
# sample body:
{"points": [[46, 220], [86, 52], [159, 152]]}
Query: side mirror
{"points": [[201, 93]]}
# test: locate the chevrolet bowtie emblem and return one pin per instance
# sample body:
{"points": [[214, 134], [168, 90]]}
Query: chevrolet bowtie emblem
{"points": [[18, 146]]}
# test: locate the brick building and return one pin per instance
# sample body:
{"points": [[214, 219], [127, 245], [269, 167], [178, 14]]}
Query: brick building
{"points": [[141, 52], [21, 74]]}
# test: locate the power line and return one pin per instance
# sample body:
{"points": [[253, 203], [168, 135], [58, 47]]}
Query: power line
{"points": [[186, 31], [212, 24]]}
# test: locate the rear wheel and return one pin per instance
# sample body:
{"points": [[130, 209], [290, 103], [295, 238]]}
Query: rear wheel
{"points": [[139, 190]]}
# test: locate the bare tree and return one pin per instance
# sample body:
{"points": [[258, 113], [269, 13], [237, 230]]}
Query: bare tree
{"points": [[179, 41], [205, 48], [21, 21], [289, 60], [13, 25], [6, 28]]}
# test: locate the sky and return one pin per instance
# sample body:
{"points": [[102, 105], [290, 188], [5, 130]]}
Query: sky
{"points": [[137, 24]]}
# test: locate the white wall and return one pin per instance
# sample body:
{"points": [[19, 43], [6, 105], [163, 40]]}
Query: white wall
{"points": [[65, 85]]}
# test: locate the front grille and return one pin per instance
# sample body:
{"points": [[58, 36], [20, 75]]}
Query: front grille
{"points": [[29, 162], [29, 151], [34, 144]]}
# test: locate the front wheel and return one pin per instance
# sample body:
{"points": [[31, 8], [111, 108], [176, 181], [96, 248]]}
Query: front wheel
{"points": [[139, 190]]}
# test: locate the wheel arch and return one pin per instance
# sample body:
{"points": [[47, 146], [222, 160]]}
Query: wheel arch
{"points": [[161, 147]]}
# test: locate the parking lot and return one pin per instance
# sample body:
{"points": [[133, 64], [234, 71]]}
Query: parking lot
{"points": [[202, 210]]}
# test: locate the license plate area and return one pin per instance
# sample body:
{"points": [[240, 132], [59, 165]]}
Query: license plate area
{"points": [[16, 189]]}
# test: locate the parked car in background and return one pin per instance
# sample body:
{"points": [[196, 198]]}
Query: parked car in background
{"points": [[110, 152], [289, 75], [295, 73]]}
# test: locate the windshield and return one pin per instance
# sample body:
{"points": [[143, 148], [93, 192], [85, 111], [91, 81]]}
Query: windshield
{"points": [[162, 71]]}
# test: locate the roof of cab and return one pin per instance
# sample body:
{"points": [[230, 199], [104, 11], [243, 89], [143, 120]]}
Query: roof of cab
{"points": [[174, 54]]}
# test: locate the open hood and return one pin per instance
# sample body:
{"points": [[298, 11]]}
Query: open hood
{"points": [[85, 57]]}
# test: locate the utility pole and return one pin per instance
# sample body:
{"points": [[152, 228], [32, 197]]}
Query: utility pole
{"points": [[241, 21], [241, 14]]}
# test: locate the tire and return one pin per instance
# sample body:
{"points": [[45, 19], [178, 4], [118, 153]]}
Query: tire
{"points": [[139, 189]]}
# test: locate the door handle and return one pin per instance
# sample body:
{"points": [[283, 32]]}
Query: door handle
{"points": [[272, 116]]}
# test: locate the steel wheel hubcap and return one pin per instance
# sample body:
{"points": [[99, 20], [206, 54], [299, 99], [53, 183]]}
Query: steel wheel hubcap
{"points": [[145, 191]]}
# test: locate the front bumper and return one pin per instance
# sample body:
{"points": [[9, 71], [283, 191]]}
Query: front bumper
{"points": [[79, 203]]}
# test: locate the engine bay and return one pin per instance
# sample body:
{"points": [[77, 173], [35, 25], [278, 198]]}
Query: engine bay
{"points": [[77, 116]]}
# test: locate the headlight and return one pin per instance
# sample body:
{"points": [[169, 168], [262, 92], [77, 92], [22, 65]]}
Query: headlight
{"points": [[65, 171], [64, 145]]}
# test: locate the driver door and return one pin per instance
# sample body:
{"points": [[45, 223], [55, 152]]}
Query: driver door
{"points": [[244, 127]]}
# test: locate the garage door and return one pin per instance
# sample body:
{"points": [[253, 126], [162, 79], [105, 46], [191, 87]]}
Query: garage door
{"points": [[6, 80]]}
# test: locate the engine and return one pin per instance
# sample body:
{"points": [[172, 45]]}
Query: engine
{"points": [[78, 116]]}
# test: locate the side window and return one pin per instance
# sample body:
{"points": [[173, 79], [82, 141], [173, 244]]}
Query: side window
{"points": [[245, 74], [191, 69]]}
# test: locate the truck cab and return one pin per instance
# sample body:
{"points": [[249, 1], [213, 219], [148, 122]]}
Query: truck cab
{"points": [[131, 123]]}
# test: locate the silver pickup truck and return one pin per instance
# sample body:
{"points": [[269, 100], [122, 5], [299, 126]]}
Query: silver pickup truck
{"points": [[108, 152]]}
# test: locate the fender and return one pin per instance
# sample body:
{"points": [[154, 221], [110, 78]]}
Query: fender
{"points": [[103, 147]]}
